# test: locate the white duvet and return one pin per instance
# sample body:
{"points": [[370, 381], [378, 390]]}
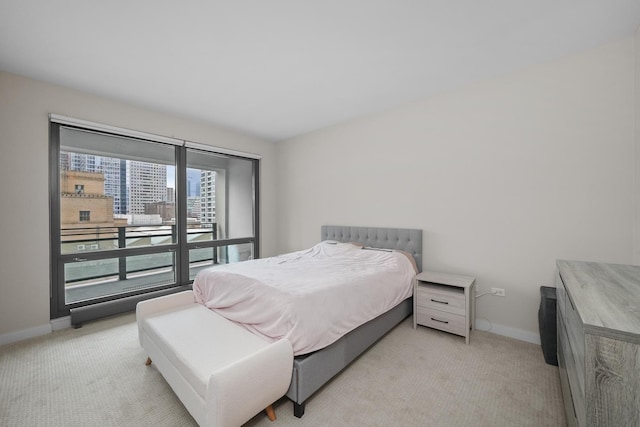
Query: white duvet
{"points": [[311, 297]]}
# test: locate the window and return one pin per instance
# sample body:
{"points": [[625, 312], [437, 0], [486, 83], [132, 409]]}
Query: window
{"points": [[149, 214]]}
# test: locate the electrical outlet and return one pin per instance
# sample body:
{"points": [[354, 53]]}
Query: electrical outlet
{"points": [[499, 292]]}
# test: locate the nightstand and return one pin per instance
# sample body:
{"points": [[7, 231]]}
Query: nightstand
{"points": [[444, 301]]}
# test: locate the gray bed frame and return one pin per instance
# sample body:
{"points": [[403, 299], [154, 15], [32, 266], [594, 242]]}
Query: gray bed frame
{"points": [[311, 371]]}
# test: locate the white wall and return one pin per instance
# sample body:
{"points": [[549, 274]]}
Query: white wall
{"points": [[24, 193], [504, 177]]}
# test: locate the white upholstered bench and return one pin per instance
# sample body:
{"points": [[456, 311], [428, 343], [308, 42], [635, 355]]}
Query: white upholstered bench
{"points": [[223, 374]]}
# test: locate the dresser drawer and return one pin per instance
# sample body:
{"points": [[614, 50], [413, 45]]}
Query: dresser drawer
{"points": [[574, 372], [442, 298], [569, 407], [561, 296], [442, 320], [573, 330], [575, 337]]}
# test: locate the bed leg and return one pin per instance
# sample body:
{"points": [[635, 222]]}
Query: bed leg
{"points": [[148, 362], [298, 409], [271, 413]]}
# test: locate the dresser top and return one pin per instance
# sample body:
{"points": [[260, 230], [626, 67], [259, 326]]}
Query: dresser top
{"points": [[606, 296]]}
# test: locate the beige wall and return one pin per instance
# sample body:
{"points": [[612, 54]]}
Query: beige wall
{"points": [[504, 177], [24, 256], [636, 176]]}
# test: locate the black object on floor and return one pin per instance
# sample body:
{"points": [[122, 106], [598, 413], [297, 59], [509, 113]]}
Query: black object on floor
{"points": [[548, 325]]}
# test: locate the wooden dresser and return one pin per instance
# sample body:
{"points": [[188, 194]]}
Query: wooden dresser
{"points": [[599, 342]]}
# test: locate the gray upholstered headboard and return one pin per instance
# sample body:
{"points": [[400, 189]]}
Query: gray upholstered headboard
{"points": [[405, 239]]}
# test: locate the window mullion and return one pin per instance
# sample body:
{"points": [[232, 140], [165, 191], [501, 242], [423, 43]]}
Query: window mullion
{"points": [[182, 255], [256, 207], [55, 296]]}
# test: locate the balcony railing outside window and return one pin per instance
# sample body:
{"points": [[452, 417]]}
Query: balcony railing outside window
{"points": [[87, 279]]}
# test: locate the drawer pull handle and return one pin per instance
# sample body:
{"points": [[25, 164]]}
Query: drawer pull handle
{"points": [[438, 320], [439, 302]]}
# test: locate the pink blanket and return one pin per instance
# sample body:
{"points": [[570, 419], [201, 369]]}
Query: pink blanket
{"points": [[311, 297]]}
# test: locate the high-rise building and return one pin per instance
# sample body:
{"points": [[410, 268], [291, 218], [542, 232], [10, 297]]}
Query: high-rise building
{"points": [[121, 196], [171, 194], [193, 207], [207, 197], [147, 184], [193, 182]]}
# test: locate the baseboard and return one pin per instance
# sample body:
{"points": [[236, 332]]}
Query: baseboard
{"points": [[24, 334], [61, 323], [54, 325], [65, 322], [518, 334]]}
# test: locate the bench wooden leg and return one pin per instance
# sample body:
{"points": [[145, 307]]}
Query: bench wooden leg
{"points": [[271, 413], [148, 362]]}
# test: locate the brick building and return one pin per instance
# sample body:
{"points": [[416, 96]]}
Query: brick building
{"points": [[86, 214]]}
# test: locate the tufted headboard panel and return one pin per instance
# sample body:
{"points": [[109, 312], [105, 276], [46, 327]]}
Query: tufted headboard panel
{"points": [[405, 239]]}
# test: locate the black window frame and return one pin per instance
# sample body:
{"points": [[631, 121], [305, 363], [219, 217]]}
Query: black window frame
{"points": [[180, 247]]}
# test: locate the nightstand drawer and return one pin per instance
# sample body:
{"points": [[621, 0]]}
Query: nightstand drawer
{"points": [[443, 298], [441, 320]]}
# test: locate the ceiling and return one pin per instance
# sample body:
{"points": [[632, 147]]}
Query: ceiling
{"points": [[280, 68]]}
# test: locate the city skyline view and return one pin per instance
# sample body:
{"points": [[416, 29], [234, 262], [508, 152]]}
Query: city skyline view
{"points": [[135, 184]]}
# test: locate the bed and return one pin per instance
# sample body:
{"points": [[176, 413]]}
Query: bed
{"points": [[370, 300], [312, 371]]}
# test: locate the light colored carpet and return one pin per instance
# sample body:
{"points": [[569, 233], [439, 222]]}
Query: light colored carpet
{"points": [[95, 376]]}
